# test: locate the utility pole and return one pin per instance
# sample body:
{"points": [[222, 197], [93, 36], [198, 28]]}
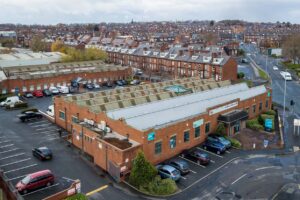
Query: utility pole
{"points": [[267, 63], [284, 93]]}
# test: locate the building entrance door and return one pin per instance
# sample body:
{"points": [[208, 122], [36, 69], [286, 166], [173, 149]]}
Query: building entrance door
{"points": [[236, 128]]}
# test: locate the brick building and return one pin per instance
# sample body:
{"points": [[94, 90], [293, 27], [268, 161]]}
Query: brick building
{"points": [[175, 61], [37, 77], [162, 119]]}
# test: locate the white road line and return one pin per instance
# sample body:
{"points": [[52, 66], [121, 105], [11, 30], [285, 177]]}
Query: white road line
{"points": [[11, 179], [68, 179], [209, 152], [15, 162], [40, 189], [37, 122], [12, 156], [9, 145], [212, 161], [193, 171], [50, 139], [5, 141], [268, 167], [13, 170], [9, 150], [183, 177], [40, 125], [1, 137], [45, 132], [227, 151], [192, 162], [40, 129], [238, 179]]}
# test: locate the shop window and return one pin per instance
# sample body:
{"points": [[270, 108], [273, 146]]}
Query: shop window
{"points": [[207, 128], [267, 103], [62, 115], [173, 142], [260, 106], [197, 132], [31, 87], [186, 136], [158, 146], [254, 108]]}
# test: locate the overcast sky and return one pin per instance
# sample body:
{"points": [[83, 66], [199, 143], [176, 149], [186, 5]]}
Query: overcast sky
{"points": [[95, 11]]}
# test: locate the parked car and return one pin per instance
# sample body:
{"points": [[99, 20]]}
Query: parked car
{"points": [[124, 82], [27, 95], [63, 89], [180, 165], [198, 156], [109, 84], [42, 153], [96, 85], [35, 181], [167, 171], [214, 146], [89, 86], [50, 110], [139, 72], [47, 93], [135, 82], [38, 93], [30, 115], [119, 83], [53, 90], [73, 89], [10, 101], [216, 138]]}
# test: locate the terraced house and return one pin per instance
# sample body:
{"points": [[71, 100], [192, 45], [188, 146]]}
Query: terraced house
{"points": [[162, 119]]}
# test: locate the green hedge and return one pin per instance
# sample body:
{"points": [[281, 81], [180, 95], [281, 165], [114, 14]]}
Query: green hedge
{"points": [[30, 109], [77, 197], [270, 112], [234, 142], [159, 186], [254, 124], [17, 105]]}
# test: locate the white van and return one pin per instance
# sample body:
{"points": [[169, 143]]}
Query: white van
{"points": [[286, 75], [10, 101], [63, 89], [50, 111]]}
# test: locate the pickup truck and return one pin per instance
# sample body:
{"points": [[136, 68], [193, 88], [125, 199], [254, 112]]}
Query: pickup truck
{"points": [[29, 115]]}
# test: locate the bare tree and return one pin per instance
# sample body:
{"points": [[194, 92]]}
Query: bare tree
{"points": [[291, 48]]}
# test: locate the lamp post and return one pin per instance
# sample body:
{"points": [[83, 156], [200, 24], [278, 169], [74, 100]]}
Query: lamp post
{"points": [[284, 93]]}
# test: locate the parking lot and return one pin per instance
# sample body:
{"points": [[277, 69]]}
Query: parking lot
{"points": [[16, 142], [199, 171]]}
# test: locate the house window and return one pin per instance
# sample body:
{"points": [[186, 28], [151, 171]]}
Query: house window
{"points": [[186, 136], [207, 128], [173, 142], [267, 103], [260, 106], [158, 147], [24, 89], [62, 115], [38, 87], [75, 119], [45, 86], [197, 132], [254, 108], [247, 110], [4, 91], [31, 87]]}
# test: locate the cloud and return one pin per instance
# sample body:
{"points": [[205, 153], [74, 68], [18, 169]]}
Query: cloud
{"points": [[80, 11]]}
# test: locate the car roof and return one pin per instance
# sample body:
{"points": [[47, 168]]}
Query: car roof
{"points": [[43, 148], [168, 168], [40, 173], [179, 161]]}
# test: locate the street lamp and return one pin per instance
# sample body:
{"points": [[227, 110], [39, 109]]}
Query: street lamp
{"points": [[284, 93]]}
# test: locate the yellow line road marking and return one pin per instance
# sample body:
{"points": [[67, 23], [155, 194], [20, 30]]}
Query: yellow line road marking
{"points": [[96, 190]]}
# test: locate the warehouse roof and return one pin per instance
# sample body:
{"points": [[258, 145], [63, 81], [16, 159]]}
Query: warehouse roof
{"points": [[161, 113]]}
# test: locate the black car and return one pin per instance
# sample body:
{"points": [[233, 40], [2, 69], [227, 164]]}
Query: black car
{"points": [[109, 84], [119, 83], [214, 146], [180, 165], [30, 115], [28, 95], [42, 153], [89, 86], [124, 82], [47, 92], [197, 156]]}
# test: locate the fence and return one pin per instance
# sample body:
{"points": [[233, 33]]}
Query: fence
{"points": [[72, 190], [8, 189]]}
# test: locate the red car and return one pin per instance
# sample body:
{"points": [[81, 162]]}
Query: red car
{"points": [[35, 181], [38, 93]]}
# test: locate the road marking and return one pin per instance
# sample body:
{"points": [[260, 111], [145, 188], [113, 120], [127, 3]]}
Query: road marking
{"points": [[15, 162], [193, 171], [68, 179], [40, 129], [39, 125], [212, 161], [192, 162], [183, 177], [5, 141], [11, 179], [55, 138], [12, 156], [9, 150], [1, 137], [269, 167], [238, 179], [37, 122], [13, 170], [9, 145], [210, 152], [47, 131], [96, 190], [227, 151], [40, 189]]}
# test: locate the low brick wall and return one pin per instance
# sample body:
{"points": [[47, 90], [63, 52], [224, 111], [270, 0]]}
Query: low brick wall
{"points": [[8, 189], [72, 190]]}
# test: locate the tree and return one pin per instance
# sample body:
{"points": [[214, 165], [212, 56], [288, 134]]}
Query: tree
{"points": [[73, 54], [37, 44], [7, 42], [142, 171], [221, 130], [58, 45], [291, 48], [212, 23]]}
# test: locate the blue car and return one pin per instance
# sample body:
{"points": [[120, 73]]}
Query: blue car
{"points": [[214, 146], [180, 165], [167, 171], [216, 138]]}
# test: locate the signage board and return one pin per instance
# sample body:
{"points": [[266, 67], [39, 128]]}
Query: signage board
{"points": [[151, 136], [268, 124], [197, 123], [266, 142], [223, 108], [296, 122]]}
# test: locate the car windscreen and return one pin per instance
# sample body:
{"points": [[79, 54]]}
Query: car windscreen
{"points": [[26, 180]]}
